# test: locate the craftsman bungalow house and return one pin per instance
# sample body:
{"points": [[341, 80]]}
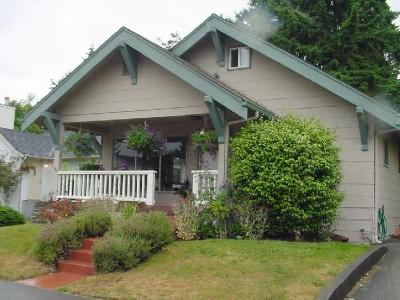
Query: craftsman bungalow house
{"points": [[217, 77]]}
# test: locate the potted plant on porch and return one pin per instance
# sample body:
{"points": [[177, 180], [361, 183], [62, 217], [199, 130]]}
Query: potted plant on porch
{"points": [[81, 144]]}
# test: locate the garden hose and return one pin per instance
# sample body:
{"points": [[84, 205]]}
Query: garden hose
{"points": [[382, 224]]}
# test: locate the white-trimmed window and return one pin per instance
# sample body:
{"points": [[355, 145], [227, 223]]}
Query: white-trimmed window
{"points": [[239, 57]]}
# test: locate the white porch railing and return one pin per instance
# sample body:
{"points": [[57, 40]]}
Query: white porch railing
{"points": [[119, 185], [204, 181]]}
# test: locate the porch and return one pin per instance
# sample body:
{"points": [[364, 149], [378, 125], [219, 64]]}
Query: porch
{"points": [[129, 175], [137, 186]]}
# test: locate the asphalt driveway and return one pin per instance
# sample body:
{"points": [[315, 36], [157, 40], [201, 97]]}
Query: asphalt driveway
{"points": [[385, 285], [15, 291]]}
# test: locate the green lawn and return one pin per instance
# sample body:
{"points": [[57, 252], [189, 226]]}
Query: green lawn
{"points": [[227, 269], [16, 252]]}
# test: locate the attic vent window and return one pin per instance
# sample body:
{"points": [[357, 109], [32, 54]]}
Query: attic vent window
{"points": [[239, 58]]}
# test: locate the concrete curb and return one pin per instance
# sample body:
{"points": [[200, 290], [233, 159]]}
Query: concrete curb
{"points": [[342, 285]]}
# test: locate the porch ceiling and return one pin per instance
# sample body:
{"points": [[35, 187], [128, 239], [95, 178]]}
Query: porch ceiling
{"points": [[190, 123]]}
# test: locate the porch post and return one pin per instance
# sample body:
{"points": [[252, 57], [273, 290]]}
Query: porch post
{"points": [[221, 160], [58, 157]]}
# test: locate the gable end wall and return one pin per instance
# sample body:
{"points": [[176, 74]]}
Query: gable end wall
{"points": [[280, 90]]}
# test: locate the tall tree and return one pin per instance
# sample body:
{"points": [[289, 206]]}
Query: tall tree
{"points": [[354, 40], [174, 38], [21, 109]]}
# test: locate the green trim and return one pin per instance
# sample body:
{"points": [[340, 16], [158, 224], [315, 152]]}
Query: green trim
{"points": [[363, 127], [337, 87], [52, 123], [200, 81], [219, 46], [217, 118], [130, 60], [261, 110]]}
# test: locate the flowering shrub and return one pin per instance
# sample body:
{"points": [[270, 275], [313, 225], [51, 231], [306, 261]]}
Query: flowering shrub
{"points": [[132, 239], [187, 219], [68, 233], [145, 139], [57, 210]]}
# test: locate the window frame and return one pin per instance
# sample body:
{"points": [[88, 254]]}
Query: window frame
{"points": [[239, 67]]}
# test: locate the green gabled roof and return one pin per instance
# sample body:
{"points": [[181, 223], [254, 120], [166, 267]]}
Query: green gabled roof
{"points": [[202, 81], [381, 111]]}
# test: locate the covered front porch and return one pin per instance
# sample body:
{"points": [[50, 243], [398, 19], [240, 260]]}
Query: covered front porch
{"points": [[128, 175], [129, 81]]}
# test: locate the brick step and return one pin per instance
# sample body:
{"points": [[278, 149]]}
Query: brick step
{"points": [[84, 255], [88, 243], [76, 267]]}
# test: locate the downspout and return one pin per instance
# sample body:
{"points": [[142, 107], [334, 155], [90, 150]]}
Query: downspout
{"points": [[227, 136], [20, 190], [376, 161]]}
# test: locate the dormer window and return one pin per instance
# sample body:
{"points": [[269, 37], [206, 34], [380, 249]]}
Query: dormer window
{"points": [[239, 58]]}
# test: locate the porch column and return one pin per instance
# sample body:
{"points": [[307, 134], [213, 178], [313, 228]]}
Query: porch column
{"points": [[58, 158], [107, 151], [221, 160]]}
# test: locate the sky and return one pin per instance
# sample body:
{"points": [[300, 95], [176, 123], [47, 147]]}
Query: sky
{"points": [[44, 39]]}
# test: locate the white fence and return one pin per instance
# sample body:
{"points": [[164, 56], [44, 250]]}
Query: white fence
{"points": [[204, 181], [119, 185]]}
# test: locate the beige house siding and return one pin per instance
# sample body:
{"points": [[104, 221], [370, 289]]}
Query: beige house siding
{"points": [[388, 180], [280, 89], [107, 94]]}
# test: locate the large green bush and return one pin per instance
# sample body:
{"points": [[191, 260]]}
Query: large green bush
{"points": [[291, 167], [115, 253], [67, 234], [9, 216]]}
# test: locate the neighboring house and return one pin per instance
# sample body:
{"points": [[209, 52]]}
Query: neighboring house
{"points": [[217, 77], [32, 155], [7, 114]]}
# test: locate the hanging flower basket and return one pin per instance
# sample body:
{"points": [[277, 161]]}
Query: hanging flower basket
{"points": [[145, 140], [205, 141], [26, 166]]}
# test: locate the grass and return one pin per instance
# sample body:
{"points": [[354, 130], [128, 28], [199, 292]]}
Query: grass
{"points": [[234, 269], [16, 252]]}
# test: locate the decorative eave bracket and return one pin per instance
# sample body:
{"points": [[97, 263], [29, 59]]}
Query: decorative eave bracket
{"points": [[217, 117], [130, 59], [219, 46], [52, 123], [363, 127]]}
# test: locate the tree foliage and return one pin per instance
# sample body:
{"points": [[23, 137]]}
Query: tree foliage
{"points": [[21, 109], [8, 179], [174, 38], [291, 168], [354, 40]]}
